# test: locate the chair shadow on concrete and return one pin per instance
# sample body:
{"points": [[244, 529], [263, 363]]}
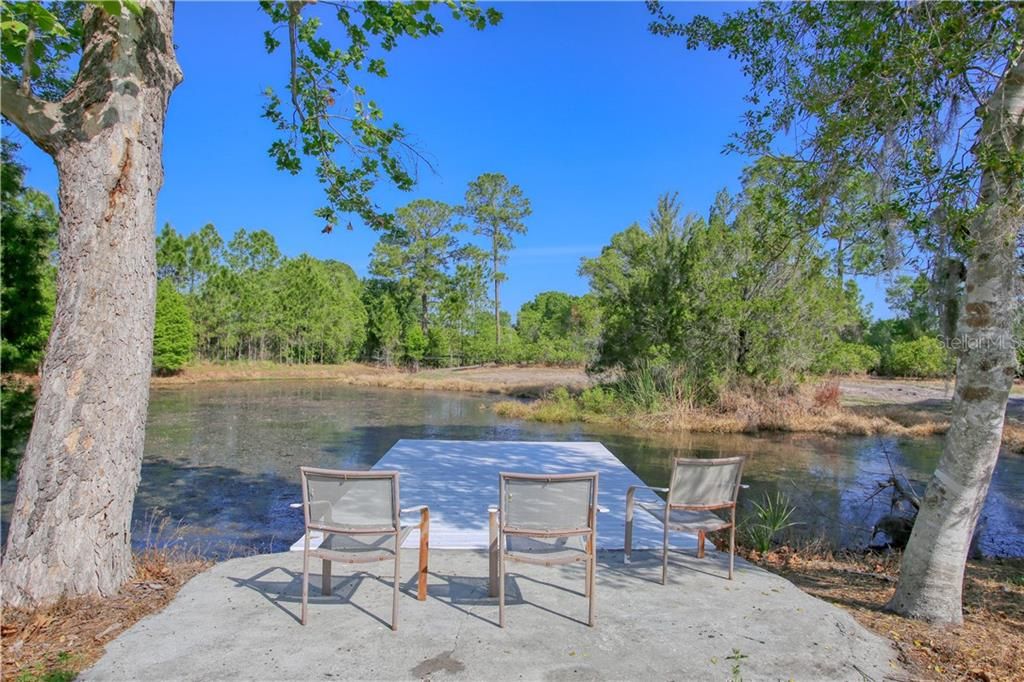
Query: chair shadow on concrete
{"points": [[711, 565], [462, 592], [537, 604], [289, 589]]}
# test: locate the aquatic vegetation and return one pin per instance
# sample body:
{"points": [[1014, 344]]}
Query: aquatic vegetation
{"points": [[771, 517]]}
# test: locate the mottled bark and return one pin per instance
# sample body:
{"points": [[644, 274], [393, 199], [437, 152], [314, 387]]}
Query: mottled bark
{"points": [[69, 532], [931, 574]]}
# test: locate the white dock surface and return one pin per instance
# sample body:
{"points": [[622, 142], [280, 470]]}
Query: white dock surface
{"points": [[458, 480]]}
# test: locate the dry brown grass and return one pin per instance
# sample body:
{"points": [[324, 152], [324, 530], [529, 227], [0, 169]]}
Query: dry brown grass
{"points": [[989, 646], [530, 381], [811, 408], [57, 641]]}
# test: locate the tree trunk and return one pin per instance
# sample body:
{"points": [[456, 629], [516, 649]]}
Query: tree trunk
{"points": [[424, 308], [69, 532], [497, 301], [931, 573]]}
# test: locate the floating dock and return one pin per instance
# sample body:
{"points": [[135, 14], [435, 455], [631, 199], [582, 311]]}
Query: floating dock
{"points": [[458, 480]]}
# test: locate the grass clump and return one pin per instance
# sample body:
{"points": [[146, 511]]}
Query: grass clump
{"points": [[656, 400], [771, 516]]}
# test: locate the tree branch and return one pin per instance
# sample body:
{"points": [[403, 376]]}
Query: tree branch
{"points": [[293, 48], [26, 63], [40, 120]]}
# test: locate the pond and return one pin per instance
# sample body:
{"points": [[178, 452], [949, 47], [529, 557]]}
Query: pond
{"points": [[221, 461]]}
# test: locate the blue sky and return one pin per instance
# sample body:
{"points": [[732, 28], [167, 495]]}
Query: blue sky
{"points": [[577, 103]]}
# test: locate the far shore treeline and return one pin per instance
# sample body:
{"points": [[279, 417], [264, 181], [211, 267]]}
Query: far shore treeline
{"points": [[712, 298]]}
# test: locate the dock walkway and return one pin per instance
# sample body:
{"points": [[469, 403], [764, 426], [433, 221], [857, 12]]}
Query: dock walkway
{"points": [[458, 480]]}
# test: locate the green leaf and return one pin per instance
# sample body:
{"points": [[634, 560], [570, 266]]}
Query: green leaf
{"points": [[111, 7], [13, 25], [134, 7]]}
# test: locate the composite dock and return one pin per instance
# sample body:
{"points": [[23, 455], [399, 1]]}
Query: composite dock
{"points": [[458, 480]]}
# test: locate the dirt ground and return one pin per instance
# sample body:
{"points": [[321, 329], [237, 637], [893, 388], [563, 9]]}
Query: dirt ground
{"points": [[923, 393], [988, 646], [53, 643]]}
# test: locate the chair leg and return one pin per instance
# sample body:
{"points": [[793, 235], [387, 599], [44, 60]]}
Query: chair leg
{"points": [[398, 577], [492, 554], [589, 568], [628, 544], [700, 544], [591, 592], [501, 582], [732, 548], [664, 552], [325, 582], [421, 592], [305, 584]]}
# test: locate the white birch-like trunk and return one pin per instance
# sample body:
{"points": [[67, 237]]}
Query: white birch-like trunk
{"points": [[931, 574], [70, 526]]}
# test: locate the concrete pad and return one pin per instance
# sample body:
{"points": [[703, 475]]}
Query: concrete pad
{"points": [[239, 620]]}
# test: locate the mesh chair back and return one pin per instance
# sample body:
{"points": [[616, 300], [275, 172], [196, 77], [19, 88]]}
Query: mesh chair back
{"points": [[548, 504], [350, 500], [705, 482]]}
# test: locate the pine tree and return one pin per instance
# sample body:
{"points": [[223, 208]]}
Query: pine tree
{"points": [[173, 333]]}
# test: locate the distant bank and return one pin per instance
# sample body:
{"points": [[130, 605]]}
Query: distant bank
{"points": [[511, 380]]}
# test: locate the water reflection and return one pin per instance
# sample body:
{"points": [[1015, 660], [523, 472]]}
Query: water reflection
{"points": [[223, 460]]}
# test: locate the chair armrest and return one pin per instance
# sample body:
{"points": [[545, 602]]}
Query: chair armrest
{"points": [[631, 493], [648, 487], [410, 510]]}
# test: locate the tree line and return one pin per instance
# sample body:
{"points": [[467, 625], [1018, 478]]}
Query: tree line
{"points": [[712, 297], [426, 299]]}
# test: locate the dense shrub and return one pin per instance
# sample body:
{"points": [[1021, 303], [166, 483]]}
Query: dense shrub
{"points": [[414, 344], [173, 332], [439, 348], [598, 400], [925, 357], [17, 405], [848, 358]]}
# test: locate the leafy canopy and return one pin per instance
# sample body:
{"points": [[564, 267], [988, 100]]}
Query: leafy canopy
{"points": [[891, 96], [28, 238], [497, 209], [421, 249], [743, 293], [329, 113]]}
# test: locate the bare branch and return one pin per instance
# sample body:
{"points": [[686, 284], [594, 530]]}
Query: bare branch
{"points": [[294, 8], [41, 121], [26, 62]]}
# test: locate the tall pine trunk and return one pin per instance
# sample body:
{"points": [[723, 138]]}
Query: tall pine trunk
{"points": [[931, 574], [424, 309], [70, 526], [497, 300]]}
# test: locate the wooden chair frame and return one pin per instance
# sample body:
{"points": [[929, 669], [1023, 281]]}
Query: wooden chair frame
{"points": [[395, 529], [677, 464], [499, 530]]}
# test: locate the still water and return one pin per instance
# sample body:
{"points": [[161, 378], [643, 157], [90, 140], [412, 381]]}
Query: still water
{"points": [[221, 461]]}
